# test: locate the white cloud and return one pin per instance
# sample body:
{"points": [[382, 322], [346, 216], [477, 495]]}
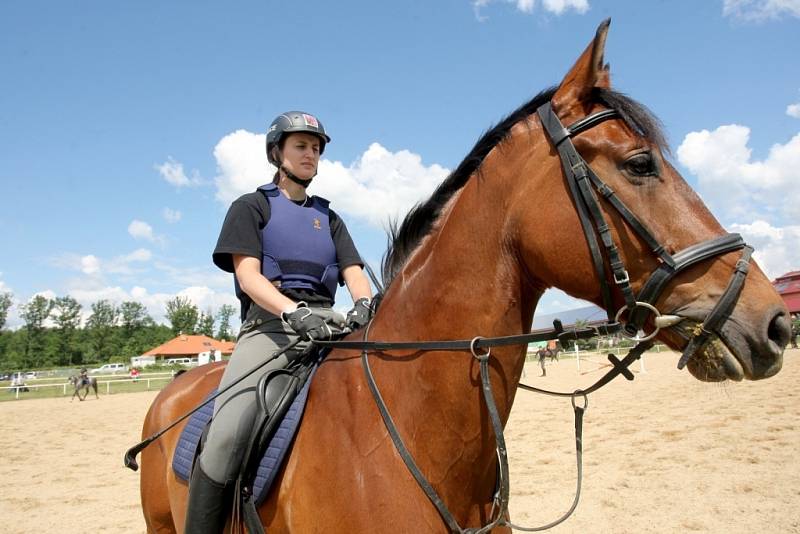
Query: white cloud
{"points": [[172, 171], [140, 230], [171, 216], [96, 267], [379, 185], [793, 110], [776, 249], [242, 164], [760, 10], [90, 264], [735, 185], [557, 7], [757, 198]]}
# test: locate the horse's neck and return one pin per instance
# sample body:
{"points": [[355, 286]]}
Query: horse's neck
{"points": [[463, 281]]}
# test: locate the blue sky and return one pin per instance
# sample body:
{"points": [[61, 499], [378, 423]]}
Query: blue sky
{"points": [[126, 128]]}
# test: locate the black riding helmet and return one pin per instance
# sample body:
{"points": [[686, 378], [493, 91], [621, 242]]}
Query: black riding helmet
{"points": [[291, 122]]}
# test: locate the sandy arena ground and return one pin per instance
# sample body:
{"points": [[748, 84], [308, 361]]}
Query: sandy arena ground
{"points": [[662, 454]]}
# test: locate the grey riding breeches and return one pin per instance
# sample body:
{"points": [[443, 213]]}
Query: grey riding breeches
{"points": [[235, 410]]}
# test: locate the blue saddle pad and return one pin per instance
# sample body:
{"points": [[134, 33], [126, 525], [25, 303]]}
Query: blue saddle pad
{"points": [[273, 457]]}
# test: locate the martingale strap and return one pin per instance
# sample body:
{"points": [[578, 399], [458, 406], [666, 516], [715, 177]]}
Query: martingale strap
{"points": [[502, 496]]}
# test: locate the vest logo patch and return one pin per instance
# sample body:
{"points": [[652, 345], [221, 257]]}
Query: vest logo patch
{"points": [[317, 224]]}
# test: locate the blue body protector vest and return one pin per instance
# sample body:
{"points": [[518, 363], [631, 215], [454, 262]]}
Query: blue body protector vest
{"points": [[298, 251]]}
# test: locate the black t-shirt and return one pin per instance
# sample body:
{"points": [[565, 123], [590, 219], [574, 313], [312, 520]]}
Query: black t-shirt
{"points": [[241, 234]]}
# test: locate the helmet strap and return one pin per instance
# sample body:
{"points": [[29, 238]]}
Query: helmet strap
{"points": [[295, 179]]}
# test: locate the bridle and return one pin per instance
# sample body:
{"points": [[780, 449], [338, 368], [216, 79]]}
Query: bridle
{"points": [[582, 182]]}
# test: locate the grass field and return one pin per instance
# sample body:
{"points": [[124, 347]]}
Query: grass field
{"points": [[106, 385]]}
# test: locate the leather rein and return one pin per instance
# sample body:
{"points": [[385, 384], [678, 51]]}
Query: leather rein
{"points": [[582, 182]]}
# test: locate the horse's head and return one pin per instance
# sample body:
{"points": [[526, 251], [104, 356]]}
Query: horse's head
{"points": [[625, 150]]}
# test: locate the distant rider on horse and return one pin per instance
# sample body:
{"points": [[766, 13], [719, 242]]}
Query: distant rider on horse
{"points": [[83, 378]]}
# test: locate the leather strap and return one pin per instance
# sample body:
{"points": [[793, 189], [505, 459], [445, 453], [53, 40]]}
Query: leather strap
{"points": [[722, 310], [481, 343]]}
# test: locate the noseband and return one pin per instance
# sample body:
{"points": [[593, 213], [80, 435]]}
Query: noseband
{"points": [[582, 182]]}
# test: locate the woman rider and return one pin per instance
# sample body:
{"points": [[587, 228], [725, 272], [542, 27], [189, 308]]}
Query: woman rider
{"points": [[288, 251]]}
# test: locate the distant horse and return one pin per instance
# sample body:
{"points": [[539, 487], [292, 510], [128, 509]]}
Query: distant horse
{"points": [[474, 260], [553, 353], [83, 384]]}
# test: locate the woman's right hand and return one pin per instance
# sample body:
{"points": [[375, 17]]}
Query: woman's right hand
{"points": [[307, 324]]}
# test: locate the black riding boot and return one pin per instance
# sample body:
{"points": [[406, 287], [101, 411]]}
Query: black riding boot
{"points": [[207, 510]]}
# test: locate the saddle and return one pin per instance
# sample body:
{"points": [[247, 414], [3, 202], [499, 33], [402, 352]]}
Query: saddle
{"points": [[281, 395]]}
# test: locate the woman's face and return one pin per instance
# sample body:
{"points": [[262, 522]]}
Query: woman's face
{"points": [[301, 154]]}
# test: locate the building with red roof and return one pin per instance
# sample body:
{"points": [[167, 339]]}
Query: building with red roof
{"points": [[788, 287], [190, 346]]}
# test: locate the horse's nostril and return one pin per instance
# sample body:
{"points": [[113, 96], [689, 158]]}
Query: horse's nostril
{"points": [[779, 330]]}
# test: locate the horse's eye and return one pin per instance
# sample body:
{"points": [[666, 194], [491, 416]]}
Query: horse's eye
{"points": [[641, 164]]}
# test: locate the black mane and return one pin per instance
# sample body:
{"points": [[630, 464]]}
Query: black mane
{"points": [[419, 220]]}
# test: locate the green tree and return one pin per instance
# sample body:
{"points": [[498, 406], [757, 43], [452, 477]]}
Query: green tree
{"points": [[66, 314], [12, 348], [100, 329], [35, 313], [133, 317], [182, 315], [134, 322], [224, 315], [5, 303], [205, 325]]}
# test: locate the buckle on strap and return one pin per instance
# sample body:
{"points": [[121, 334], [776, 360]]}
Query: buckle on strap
{"points": [[624, 280]]}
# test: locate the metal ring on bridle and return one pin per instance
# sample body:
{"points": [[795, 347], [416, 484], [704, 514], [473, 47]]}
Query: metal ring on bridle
{"points": [[472, 349], [580, 393], [637, 337]]}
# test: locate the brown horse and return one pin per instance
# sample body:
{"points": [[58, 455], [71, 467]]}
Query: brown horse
{"points": [[473, 261]]}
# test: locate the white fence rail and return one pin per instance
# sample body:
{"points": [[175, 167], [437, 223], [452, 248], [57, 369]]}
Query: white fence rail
{"points": [[68, 388]]}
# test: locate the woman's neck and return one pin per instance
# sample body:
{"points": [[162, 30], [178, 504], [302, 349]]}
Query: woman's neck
{"points": [[292, 190]]}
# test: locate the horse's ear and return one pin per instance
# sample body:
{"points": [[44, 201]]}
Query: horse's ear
{"points": [[587, 73]]}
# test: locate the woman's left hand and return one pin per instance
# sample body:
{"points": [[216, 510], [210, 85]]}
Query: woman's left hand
{"points": [[360, 315]]}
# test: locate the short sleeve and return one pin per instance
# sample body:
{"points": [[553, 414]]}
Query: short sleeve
{"points": [[241, 230]]}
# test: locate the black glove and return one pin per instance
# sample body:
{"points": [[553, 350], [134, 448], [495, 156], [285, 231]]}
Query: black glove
{"points": [[360, 315], [307, 325]]}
